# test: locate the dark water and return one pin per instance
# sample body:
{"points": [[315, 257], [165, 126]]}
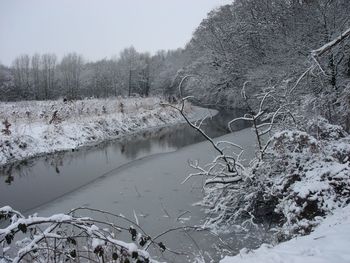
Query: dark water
{"points": [[38, 181]]}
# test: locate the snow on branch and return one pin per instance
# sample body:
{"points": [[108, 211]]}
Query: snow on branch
{"points": [[63, 237], [320, 51], [223, 180], [229, 161], [67, 237]]}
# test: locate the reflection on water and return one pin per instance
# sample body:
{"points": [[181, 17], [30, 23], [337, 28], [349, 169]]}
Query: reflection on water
{"points": [[31, 183]]}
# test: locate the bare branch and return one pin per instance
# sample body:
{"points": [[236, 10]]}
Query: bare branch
{"points": [[328, 46]]}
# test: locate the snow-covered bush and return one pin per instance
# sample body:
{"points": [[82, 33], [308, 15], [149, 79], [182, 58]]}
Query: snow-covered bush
{"points": [[320, 128], [308, 177], [68, 237], [301, 179]]}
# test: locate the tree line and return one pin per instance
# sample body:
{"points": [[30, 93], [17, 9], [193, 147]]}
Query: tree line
{"points": [[43, 77]]}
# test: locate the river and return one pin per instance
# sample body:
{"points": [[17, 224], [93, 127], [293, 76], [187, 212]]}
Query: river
{"points": [[140, 174]]}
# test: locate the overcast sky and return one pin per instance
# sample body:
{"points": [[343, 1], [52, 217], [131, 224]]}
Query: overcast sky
{"points": [[97, 28]]}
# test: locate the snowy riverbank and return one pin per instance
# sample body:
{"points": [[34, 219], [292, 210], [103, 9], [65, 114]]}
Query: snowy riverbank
{"points": [[42, 127], [329, 243]]}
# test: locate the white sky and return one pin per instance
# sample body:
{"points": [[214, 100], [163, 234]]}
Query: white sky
{"points": [[97, 28]]}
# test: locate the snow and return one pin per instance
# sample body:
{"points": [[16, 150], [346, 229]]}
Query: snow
{"points": [[35, 130], [25, 245], [59, 218], [97, 242], [329, 243], [312, 184], [330, 44], [6, 209]]}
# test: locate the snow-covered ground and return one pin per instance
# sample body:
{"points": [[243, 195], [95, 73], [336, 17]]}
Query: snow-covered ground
{"points": [[41, 127], [329, 243]]}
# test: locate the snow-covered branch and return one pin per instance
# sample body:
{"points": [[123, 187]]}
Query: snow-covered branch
{"points": [[64, 237], [328, 46], [229, 162]]}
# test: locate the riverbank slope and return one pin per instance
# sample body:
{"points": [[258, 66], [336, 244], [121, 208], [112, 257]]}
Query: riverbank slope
{"points": [[328, 243]]}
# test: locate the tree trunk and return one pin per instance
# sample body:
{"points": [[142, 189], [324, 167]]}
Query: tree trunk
{"points": [[129, 82]]}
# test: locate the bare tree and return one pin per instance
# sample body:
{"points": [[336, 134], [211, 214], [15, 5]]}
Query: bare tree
{"points": [[21, 67], [71, 68], [48, 62], [36, 73]]}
